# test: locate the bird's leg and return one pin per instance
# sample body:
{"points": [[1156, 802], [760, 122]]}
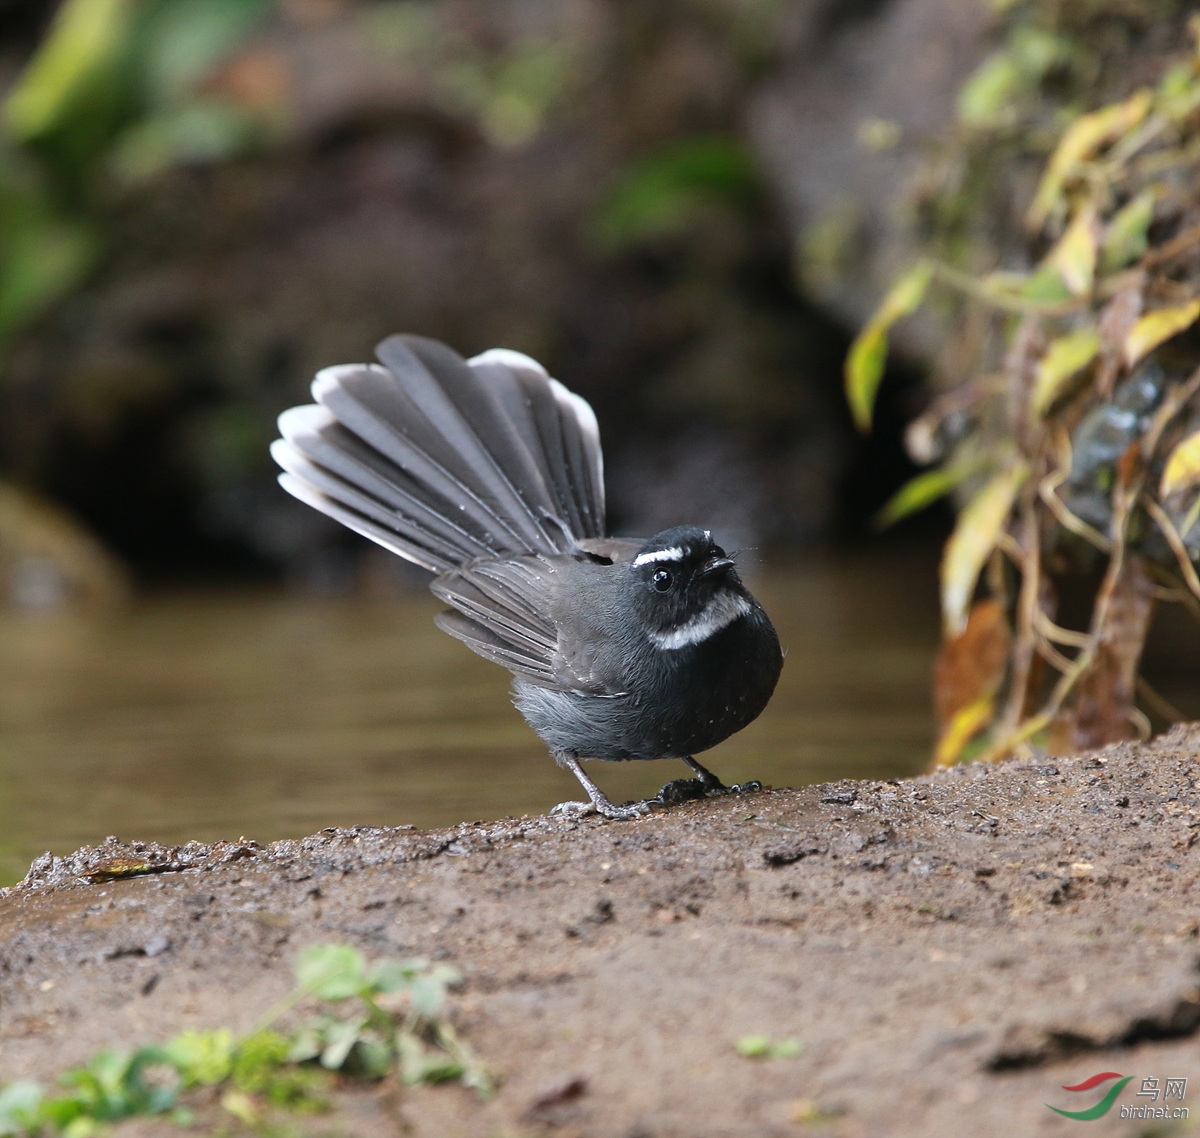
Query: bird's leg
{"points": [[710, 780], [599, 803]]}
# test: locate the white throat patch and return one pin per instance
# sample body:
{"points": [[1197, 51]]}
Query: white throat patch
{"points": [[722, 610]]}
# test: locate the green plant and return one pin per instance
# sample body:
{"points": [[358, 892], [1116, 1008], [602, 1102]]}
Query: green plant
{"points": [[377, 1019], [762, 1047], [1073, 435]]}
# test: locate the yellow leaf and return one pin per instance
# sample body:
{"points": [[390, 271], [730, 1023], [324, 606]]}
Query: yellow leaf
{"points": [[1158, 327], [868, 354], [963, 726], [84, 38], [1074, 254], [241, 1106], [1183, 467], [1066, 357], [1080, 141], [974, 537]]}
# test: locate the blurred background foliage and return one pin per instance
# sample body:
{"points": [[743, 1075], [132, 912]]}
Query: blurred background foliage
{"points": [[204, 201], [1060, 226], [685, 207]]}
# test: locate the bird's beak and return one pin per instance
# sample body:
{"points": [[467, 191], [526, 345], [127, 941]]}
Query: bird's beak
{"points": [[715, 565]]}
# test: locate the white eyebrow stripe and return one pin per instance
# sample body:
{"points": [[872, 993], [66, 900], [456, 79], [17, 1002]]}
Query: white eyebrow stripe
{"points": [[721, 611], [672, 554]]}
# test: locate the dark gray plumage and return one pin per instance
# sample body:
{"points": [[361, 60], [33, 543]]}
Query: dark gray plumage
{"points": [[489, 474]]}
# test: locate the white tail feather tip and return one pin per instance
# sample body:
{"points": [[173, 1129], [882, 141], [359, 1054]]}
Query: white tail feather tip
{"points": [[509, 358]]}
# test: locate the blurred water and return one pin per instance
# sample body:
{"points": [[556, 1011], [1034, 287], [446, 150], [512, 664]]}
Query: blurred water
{"points": [[269, 716]]}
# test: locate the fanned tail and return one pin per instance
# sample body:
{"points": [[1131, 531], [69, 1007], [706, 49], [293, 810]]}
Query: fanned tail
{"points": [[443, 460]]}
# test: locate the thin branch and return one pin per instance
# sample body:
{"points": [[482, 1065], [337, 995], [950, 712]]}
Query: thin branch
{"points": [[1048, 492], [1058, 634], [1123, 500], [965, 283], [1159, 704], [1141, 724], [1174, 541], [1174, 590], [1052, 655], [1028, 560], [1174, 402], [1181, 243]]}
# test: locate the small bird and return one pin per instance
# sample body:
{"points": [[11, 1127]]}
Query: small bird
{"points": [[489, 474]]}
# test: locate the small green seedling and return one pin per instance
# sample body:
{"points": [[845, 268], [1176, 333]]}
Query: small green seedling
{"points": [[374, 1020], [761, 1047]]}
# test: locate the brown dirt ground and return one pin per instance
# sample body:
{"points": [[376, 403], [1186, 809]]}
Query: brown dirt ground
{"points": [[949, 950]]}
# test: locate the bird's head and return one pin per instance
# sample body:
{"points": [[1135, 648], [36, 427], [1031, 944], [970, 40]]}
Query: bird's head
{"points": [[685, 588]]}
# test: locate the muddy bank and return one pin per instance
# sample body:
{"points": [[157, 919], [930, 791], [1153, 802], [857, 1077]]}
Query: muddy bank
{"points": [[949, 951]]}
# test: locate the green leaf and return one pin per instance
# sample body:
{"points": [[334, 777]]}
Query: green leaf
{"points": [[1064, 358], [420, 1065], [761, 1047], [41, 259], [867, 357], [200, 132], [331, 971], [1035, 51], [1046, 286], [340, 1039], [305, 1044], [989, 92], [202, 1058], [394, 975], [1125, 238], [258, 1057], [975, 535], [19, 1108], [662, 193], [184, 41], [83, 40], [921, 491], [428, 994]]}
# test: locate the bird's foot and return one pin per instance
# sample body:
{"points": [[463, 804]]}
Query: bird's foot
{"points": [[691, 789], [750, 787], [599, 804], [683, 790], [709, 786], [605, 809]]}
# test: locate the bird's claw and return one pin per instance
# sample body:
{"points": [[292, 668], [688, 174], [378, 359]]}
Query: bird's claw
{"points": [[691, 789], [605, 809]]}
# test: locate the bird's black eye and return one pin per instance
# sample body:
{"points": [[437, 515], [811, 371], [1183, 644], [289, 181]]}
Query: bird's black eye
{"points": [[662, 580]]}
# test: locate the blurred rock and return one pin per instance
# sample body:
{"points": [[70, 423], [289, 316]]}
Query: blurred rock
{"points": [[49, 562], [844, 130]]}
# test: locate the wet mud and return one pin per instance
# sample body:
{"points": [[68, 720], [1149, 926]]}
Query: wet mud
{"points": [[949, 952]]}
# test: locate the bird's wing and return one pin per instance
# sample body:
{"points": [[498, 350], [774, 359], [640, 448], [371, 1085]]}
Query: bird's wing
{"points": [[502, 612]]}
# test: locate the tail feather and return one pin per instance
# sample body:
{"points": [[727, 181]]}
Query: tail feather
{"points": [[371, 404], [442, 460], [344, 475]]}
